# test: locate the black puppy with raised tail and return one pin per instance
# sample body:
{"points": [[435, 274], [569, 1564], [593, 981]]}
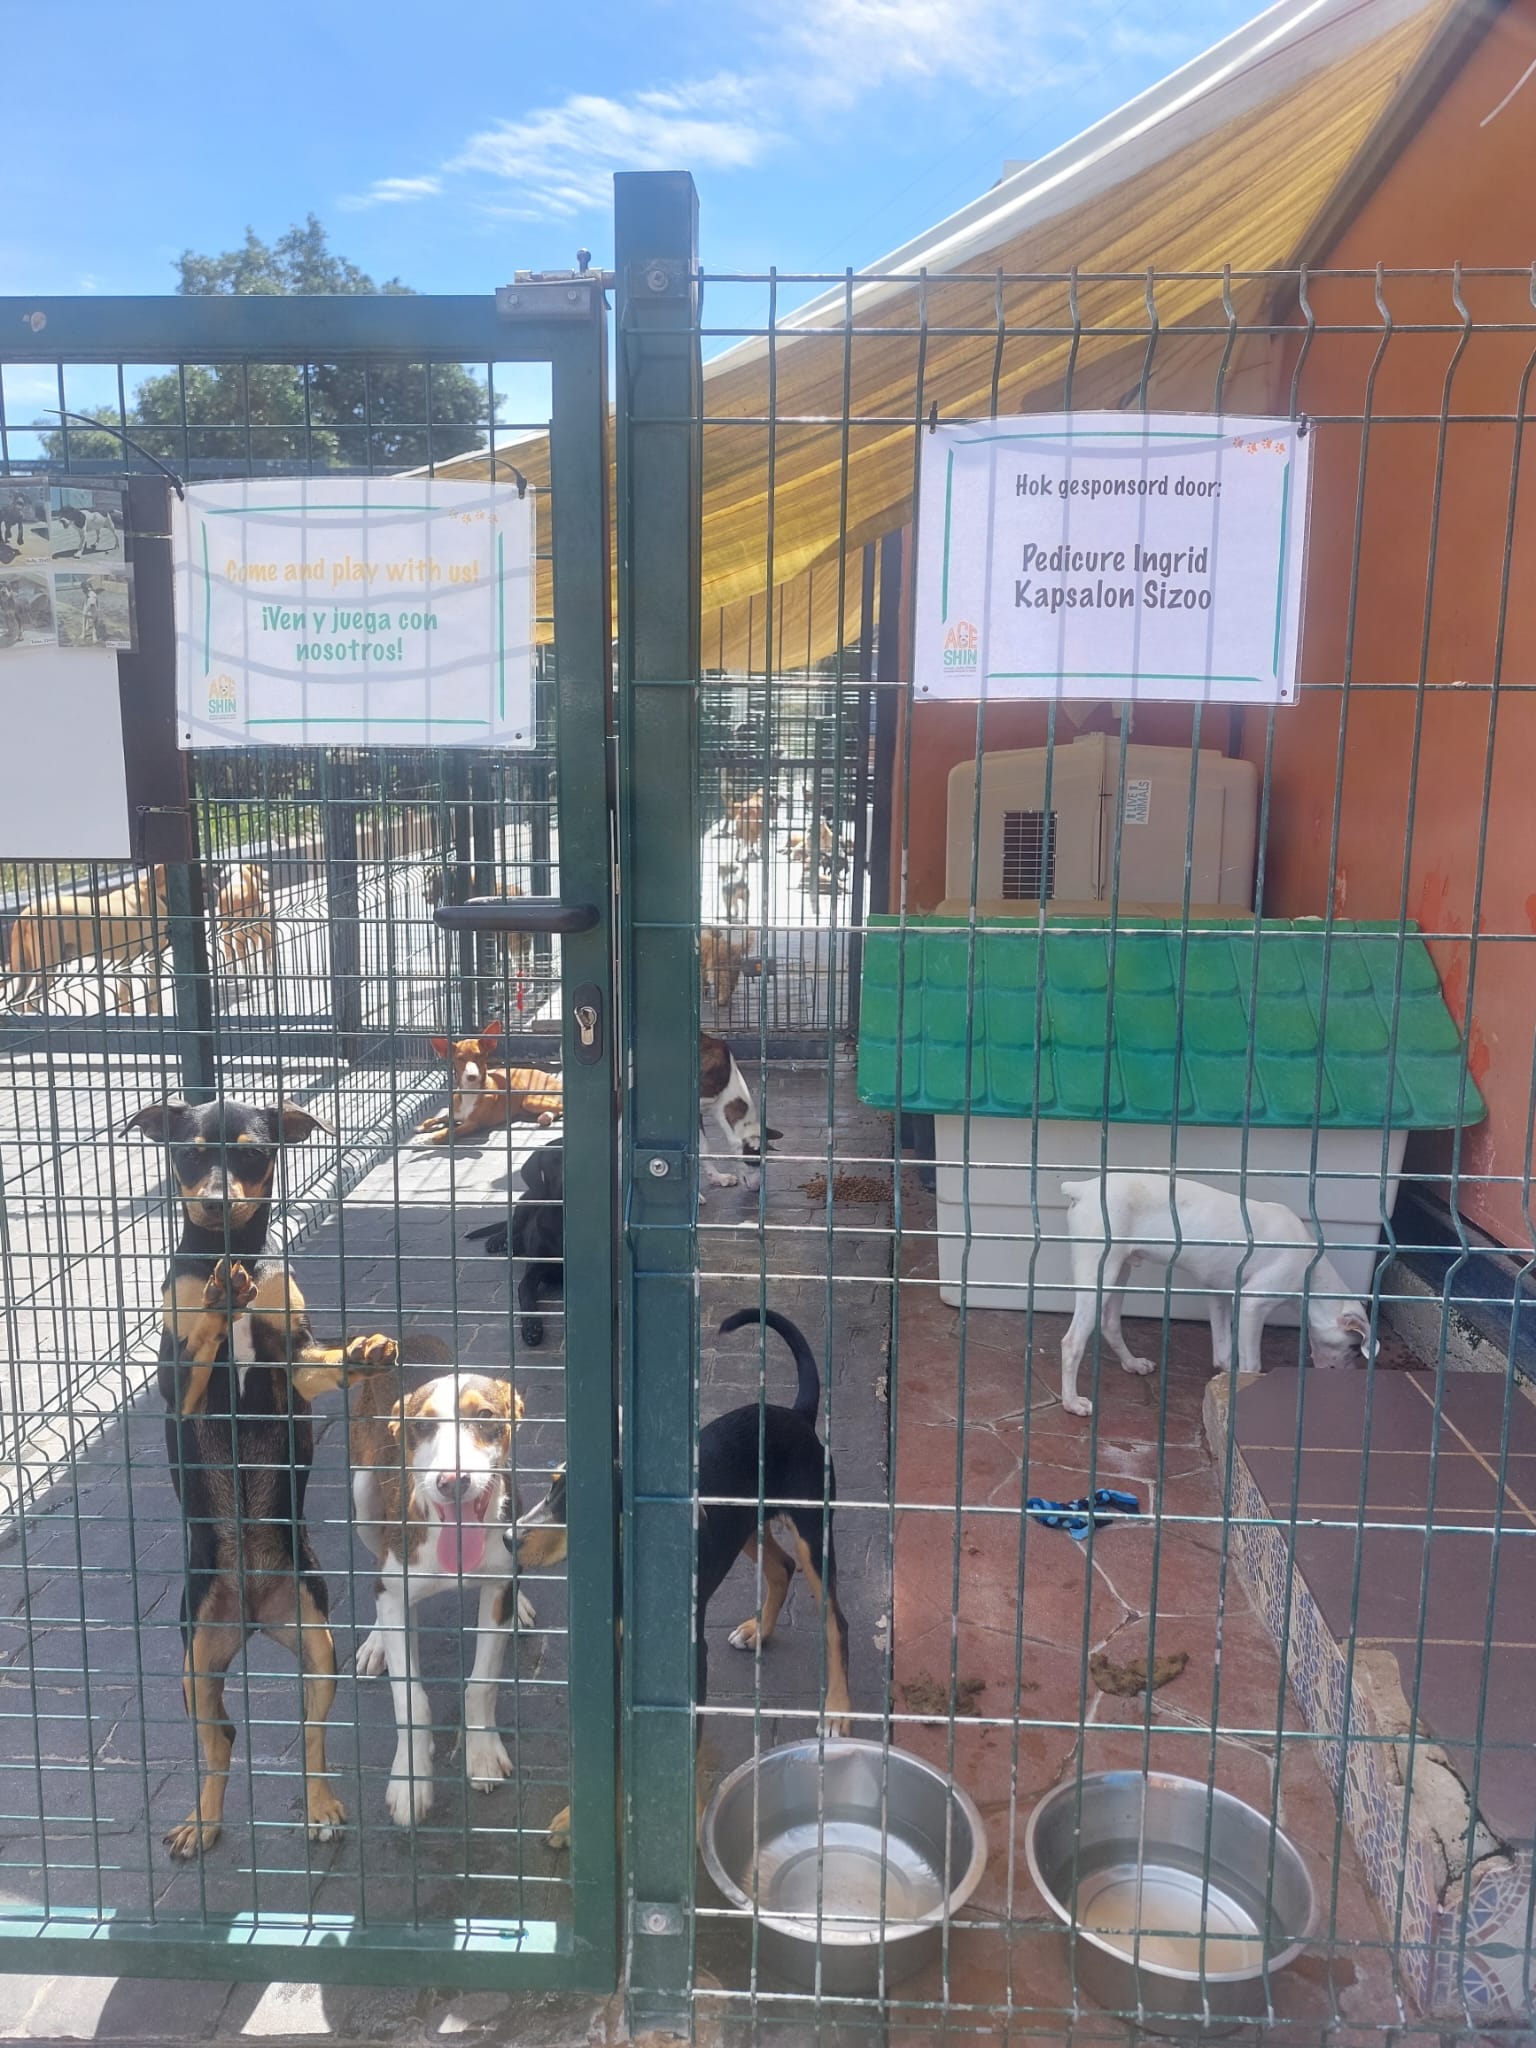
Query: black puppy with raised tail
{"points": [[795, 1470], [238, 1367], [537, 1238]]}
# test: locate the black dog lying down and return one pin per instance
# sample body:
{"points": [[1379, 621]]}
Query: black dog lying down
{"points": [[538, 1236]]}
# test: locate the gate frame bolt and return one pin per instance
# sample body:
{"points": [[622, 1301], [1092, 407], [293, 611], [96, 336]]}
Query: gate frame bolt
{"points": [[656, 279], [659, 1168]]}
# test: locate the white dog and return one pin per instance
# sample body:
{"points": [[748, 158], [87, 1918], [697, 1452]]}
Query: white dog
{"points": [[430, 1489], [728, 1116], [1207, 1243]]}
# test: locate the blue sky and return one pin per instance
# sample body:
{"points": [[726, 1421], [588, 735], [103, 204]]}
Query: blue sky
{"points": [[450, 148]]}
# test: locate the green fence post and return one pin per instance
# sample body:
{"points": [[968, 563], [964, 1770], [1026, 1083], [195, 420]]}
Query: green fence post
{"points": [[659, 379], [583, 600]]}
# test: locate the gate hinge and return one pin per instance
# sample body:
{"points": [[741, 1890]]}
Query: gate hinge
{"points": [[552, 295]]}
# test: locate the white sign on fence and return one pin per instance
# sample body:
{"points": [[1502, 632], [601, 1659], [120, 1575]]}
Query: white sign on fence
{"points": [[1106, 555], [377, 611]]}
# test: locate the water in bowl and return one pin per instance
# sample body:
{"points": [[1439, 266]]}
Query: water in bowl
{"points": [[1173, 1908], [840, 1867]]}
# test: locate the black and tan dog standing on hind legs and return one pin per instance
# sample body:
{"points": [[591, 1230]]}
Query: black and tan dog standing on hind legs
{"points": [[239, 1366], [796, 1469]]}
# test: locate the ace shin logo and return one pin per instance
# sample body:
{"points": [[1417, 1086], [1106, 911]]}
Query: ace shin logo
{"points": [[962, 648], [222, 702]]}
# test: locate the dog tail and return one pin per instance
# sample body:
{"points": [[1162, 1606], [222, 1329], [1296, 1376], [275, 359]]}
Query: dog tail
{"points": [[808, 1392], [488, 1230]]}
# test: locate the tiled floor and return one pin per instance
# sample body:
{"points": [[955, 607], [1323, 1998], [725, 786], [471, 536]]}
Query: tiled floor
{"points": [[1423, 1532], [1030, 1606]]}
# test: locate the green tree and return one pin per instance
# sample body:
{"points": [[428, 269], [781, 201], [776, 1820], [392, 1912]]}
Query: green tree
{"points": [[266, 418]]}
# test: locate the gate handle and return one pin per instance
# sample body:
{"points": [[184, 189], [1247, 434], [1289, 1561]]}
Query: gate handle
{"points": [[516, 914]]}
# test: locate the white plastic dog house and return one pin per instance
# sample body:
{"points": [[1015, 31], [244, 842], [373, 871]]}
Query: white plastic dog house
{"points": [[1285, 1059]]}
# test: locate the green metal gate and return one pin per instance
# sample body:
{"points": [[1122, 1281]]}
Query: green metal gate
{"points": [[337, 1011]]}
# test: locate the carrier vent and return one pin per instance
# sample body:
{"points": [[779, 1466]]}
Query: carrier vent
{"points": [[1029, 856]]}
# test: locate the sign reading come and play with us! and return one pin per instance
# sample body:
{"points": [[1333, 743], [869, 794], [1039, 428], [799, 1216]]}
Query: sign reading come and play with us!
{"points": [[1101, 555], [371, 611]]}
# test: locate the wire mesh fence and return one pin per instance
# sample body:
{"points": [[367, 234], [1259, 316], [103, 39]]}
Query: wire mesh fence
{"points": [[969, 961], [1294, 1592], [785, 794], [163, 1579]]}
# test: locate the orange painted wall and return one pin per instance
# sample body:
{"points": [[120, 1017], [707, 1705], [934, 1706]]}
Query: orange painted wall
{"points": [[1430, 588], [1428, 593]]}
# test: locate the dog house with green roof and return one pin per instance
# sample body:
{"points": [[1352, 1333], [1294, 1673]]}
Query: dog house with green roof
{"points": [[1284, 1060]]}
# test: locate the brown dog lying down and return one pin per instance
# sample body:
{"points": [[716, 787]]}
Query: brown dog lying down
{"points": [[487, 1098], [429, 1494]]}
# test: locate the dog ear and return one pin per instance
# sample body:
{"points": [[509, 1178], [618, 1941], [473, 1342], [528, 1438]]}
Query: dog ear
{"points": [[1354, 1322], [439, 1046], [294, 1125], [489, 1035], [505, 1401], [162, 1121], [770, 1135]]}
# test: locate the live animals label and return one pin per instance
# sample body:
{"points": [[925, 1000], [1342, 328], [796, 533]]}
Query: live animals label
{"points": [[1100, 555], [376, 611]]}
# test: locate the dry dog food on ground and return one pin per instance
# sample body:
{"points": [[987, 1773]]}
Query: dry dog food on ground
{"points": [[849, 1187], [926, 1696], [1123, 1680]]}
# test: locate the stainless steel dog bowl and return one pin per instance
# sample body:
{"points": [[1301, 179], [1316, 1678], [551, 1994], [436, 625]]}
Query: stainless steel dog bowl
{"points": [[848, 1853], [1181, 1927]]}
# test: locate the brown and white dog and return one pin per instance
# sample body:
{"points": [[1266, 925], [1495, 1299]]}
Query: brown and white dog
{"points": [[728, 1116], [430, 1486], [487, 1098]]}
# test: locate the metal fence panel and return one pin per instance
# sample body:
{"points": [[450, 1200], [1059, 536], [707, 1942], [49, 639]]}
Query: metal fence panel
{"points": [[302, 961], [1300, 1589]]}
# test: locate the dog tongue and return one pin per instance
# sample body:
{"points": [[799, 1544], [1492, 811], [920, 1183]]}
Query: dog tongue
{"points": [[461, 1543]]}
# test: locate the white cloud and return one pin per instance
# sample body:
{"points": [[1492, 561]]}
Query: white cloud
{"points": [[812, 58], [394, 192], [856, 45], [557, 161]]}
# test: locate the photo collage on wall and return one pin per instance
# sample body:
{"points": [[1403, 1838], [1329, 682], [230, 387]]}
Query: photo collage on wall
{"points": [[64, 579]]}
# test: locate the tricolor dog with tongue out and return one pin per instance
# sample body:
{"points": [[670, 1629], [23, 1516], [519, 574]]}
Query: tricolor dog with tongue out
{"points": [[430, 1481]]}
